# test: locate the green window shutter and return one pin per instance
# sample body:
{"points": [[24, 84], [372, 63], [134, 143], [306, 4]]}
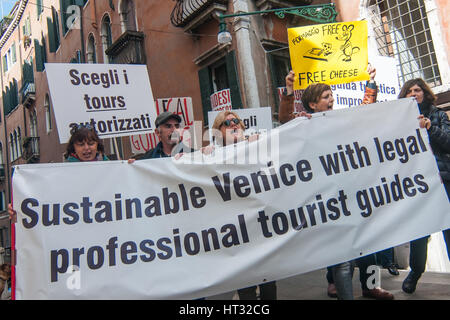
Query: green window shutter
{"points": [[204, 77], [4, 101], [273, 78], [13, 53], [55, 19], [63, 5], [39, 8], [8, 101], [43, 51], [233, 80], [5, 63], [15, 92], [38, 56], [51, 35]]}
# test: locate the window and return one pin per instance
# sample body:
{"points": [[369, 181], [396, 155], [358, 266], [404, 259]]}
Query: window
{"points": [[10, 58], [26, 28], [19, 142], [106, 37], [77, 58], [127, 13], [48, 114], [401, 30], [218, 76], [16, 145], [11, 147], [33, 124], [91, 55]]}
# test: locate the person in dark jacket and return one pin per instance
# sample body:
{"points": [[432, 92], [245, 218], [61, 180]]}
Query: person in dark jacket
{"points": [[167, 126], [438, 126]]}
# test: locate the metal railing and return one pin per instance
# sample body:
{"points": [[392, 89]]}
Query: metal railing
{"points": [[402, 31], [186, 10]]}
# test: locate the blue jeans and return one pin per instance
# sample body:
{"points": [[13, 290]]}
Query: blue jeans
{"points": [[342, 276]]}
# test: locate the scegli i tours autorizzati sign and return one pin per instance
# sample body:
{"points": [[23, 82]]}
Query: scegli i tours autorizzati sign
{"points": [[115, 99], [330, 53], [246, 213]]}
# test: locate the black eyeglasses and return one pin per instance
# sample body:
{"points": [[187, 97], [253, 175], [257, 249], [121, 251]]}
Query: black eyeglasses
{"points": [[227, 122]]}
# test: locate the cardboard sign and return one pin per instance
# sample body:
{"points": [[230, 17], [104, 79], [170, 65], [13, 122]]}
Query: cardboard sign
{"points": [[221, 100], [180, 106], [114, 99], [329, 53]]}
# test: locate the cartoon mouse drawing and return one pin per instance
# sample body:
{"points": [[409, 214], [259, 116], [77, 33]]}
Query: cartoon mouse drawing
{"points": [[347, 49]]}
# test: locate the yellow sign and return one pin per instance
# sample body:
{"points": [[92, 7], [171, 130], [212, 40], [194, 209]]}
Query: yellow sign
{"points": [[331, 53]]}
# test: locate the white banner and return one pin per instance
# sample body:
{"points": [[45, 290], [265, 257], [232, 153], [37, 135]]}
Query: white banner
{"points": [[309, 194], [115, 99], [181, 106]]}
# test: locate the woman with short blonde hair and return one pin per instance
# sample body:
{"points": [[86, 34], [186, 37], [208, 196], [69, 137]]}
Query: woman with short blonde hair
{"points": [[227, 128]]}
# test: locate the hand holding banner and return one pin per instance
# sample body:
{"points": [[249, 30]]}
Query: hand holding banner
{"points": [[329, 53]]}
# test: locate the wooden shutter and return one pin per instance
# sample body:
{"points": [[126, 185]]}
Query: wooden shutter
{"points": [[233, 79], [51, 35], [273, 77], [38, 56], [204, 76], [39, 8]]}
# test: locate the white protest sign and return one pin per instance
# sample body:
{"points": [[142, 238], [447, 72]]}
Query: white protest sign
{"points": [[221, 100], [181, 106], [316, 193], [255, 119], [115, 99], [351, 94]]}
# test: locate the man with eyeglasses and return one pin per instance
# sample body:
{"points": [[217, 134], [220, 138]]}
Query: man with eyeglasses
{"points": [[167, 129]]}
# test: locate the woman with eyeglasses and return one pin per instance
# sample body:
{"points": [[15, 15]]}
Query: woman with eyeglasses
{"points": [[85, 145], [228, 128]]}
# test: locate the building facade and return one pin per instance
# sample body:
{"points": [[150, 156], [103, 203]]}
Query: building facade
{"points": [[178, 42]]}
